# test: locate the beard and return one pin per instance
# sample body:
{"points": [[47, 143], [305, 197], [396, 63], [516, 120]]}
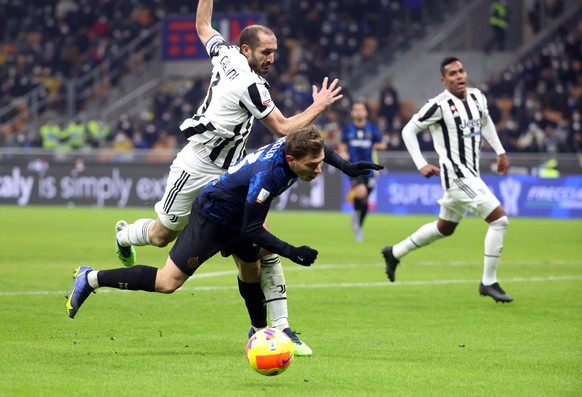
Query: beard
{"points": [[256, 66]]}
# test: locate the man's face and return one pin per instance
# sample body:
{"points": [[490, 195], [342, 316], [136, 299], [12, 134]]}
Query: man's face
{"points": [[307, 168], [261, 58], [455, 79], [359, 113]]}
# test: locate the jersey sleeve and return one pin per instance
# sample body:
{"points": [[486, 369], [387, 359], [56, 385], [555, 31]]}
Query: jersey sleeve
{"points": [[428, 115], [490, 134], [263, 188], [488, 129], [214, 43], [257, 99], [485, 106], [377, 136], [345, 134], [253, 229], [409, 133]]}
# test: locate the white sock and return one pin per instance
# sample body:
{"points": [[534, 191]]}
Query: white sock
{"points": [[275, 290], [92, 279], [493, 248], [255, 329], [425, 235], [135, 233]]}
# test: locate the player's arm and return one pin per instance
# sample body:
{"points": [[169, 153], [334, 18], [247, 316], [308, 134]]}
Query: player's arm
{"points": [[252, 227], [409, 133], [379, 143], [490, 134], [347, 167], [343, 146], [280, 125], [342, 150], [204, 21], [380, 146]]}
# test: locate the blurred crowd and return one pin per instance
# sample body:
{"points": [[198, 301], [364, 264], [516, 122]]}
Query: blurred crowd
{"points": [[536, 103], [45, 45]]}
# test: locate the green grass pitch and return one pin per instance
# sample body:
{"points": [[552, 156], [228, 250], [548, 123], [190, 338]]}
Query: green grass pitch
{"points": [[428, 334]]}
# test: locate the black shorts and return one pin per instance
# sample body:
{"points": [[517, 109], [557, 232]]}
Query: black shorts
{"points": [[366, 180], [201, 239]]}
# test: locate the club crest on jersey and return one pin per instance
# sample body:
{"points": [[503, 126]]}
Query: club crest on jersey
{"points": [[263, 196], [265, 97]]}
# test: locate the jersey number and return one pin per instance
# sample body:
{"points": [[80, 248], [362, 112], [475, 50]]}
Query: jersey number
{"points": [[249, 159]]}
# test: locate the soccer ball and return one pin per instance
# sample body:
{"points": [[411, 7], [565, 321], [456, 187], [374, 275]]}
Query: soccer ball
{"points": [[269, 352]]}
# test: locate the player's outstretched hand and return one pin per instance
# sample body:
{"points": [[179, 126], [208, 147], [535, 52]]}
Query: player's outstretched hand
{"points": [[327, 95], [360, 168], [303, 255]]}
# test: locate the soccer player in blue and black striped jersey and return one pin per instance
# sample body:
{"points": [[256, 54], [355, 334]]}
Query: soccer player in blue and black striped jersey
{"points": [[228, 216], [359, 140]]}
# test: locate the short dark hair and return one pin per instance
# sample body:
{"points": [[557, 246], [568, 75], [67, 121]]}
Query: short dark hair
{"points": [[303, 142], [447, 61], [363, 102], [250, 35]]}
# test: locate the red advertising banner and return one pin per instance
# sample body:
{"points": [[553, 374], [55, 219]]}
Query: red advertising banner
{"points": [[180, 41]]}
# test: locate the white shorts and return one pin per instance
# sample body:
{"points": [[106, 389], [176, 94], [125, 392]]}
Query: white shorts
{"points": [[467, 194], [189, 173]]}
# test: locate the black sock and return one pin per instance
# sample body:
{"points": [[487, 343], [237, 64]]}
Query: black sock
{"points": [[135, 278], [255, 301], [358, 209], [357, 204], [363, 212]]}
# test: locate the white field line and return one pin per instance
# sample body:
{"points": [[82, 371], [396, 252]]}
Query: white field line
{"points": [[386, 283], [398, 284], [292, 267]]}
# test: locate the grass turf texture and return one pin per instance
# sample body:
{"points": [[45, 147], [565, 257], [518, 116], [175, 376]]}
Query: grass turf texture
{"points": [[430, 333]]}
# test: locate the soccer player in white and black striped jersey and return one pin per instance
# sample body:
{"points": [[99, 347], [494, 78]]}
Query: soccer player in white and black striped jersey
{"points": [[218, 132], [458, 120]]}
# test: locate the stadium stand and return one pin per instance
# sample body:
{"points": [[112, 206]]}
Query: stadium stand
{"points": [[47, 47], [535, 103]]}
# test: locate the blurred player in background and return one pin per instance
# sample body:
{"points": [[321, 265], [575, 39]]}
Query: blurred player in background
{"points": [[458, 120], [359, 140]]}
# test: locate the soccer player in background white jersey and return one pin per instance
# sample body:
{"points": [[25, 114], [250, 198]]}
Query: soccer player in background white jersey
{"points": [[217, 135], [458, 120]]}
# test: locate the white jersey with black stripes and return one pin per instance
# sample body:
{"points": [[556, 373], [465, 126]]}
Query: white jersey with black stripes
{"points": [[456, 126], [236, 96]]}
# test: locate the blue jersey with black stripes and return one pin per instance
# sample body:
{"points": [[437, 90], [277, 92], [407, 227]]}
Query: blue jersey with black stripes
{"points": [[256, 179], [360, 141]]}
